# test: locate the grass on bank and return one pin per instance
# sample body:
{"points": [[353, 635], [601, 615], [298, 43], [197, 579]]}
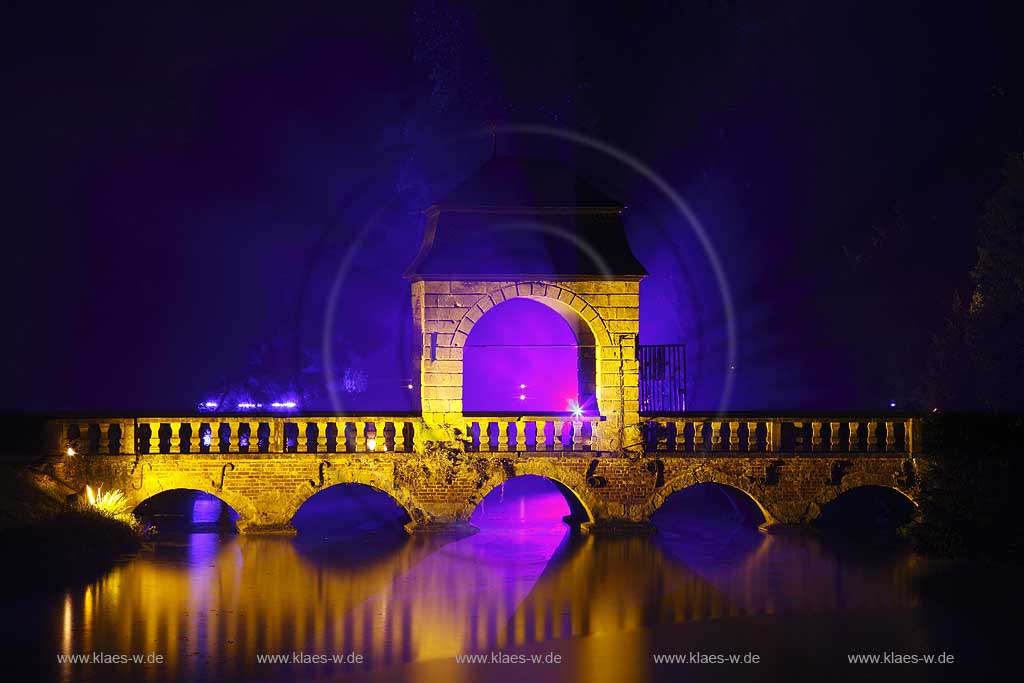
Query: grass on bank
{"points": [[48, 543]]}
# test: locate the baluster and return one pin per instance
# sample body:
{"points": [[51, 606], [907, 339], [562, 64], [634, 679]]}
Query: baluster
{"points": [[361, 437], [815, 436], [798, 437], [301, 437], [698, 436], [104, 438], [233, 437], [680, 436], [890, 437], [399, 437], [84, 444], [195, 438], [154, 437], [833, 437], [321, 436], [485, 435], [734, 436], [254, 436], [275, 437], [376, 440], [576, 435], [542, 437], [503, 435], [752, 437], [716, 436], [854, 437], [872, 437], [557, 444], [175, 437]]}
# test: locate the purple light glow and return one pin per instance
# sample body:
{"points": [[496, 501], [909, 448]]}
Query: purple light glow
{"points": [[519, 344], [283, 404], [524, 501]]}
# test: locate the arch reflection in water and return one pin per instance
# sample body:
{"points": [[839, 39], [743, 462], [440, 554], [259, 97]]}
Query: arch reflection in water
{"points": [[712, 529], [213, 603]]}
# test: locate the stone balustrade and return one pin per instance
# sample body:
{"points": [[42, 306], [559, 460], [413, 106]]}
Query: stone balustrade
{"points": [[685, 433], [747, 433], [531, 433], [236, 434]]}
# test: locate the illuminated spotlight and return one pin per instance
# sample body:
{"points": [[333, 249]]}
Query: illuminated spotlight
{"points": [[522, 386], [71, 452], [892, 404], [283, 404], [408, 386], [246, 405], [522, 397], [371, 443], [575, 408]]}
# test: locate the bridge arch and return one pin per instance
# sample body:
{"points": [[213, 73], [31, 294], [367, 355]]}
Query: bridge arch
{"points": [[152, 486], [374, 479], [585, 324], [866, 508], [336, 486], [582, 318], [139, 505], [568, 484], [685, 481]]}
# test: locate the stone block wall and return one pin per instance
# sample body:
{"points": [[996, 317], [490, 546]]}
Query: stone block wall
{"points": [[440, 488]]}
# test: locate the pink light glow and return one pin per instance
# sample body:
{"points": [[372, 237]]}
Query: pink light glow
{"points": [[520, 343]]}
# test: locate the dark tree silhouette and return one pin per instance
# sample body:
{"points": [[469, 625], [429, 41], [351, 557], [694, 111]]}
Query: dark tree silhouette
{"points": [[977, 361]]}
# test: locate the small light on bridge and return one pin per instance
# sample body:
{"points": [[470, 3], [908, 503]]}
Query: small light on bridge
{"points": [[246, 405], [575, 408], [283, 404], [522, 386], [408, 386], [892, 404], [71, 452], [522, 397], [371, 443], [210, 404]]}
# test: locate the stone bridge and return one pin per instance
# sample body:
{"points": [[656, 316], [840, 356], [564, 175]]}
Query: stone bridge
{"points": [[266, 467]]}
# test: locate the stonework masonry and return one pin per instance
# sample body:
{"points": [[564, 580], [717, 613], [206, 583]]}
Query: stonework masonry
{"points": [[440, 488]]}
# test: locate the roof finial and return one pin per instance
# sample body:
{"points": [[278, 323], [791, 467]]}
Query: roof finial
{"points": [[493, 127]]}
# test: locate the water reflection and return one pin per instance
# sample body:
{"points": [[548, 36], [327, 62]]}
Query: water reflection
{"points": [[211, 603]]}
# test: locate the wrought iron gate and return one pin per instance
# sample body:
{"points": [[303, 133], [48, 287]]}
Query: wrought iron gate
{"points": [[662, 378]]}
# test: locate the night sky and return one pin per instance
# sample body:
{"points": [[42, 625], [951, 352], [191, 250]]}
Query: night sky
{"points": [[182, 185]]}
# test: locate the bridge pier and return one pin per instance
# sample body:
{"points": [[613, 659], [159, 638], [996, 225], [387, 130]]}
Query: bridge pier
{"points": [[271, 529], [618, 527], [442, 527]]}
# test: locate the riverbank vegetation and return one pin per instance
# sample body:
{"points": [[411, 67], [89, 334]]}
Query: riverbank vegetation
{"points": [[50, 543], [971, 478]]}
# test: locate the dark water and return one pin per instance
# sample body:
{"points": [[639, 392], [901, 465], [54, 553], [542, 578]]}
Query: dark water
{"points": [[210, 604]]}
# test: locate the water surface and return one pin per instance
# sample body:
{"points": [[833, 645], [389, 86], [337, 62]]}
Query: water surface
{"points": [[212, 604]]}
